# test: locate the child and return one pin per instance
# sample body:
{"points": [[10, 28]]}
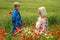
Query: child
{"points": [[16, 17], [42, 21]]}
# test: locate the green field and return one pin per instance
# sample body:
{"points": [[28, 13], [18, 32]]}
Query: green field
{"points": [[28, 10], [30, 7]]}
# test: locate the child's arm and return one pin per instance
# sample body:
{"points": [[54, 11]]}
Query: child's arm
{"points": [[14, 16]]}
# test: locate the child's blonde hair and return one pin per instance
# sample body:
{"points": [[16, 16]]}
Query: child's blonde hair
{"points": [[16, 3], [42, 10]]}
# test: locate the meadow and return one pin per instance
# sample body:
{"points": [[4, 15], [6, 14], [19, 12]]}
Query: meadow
{"points": [[29, 13]]}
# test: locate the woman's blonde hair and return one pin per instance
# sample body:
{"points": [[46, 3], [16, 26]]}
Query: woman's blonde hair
{"points": [[42, 10]]}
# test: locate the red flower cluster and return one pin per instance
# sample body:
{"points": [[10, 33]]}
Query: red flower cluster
{"points": [[2, 32], [1, 38], [18, 30], [31, 38], [33, 24], [25, 23], [58, 32], [32, 31], [55, 26], [10, 13], [25, 37], [35, 33], [52, 32]]}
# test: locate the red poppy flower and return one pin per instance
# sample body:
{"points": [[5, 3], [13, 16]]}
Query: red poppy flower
{"points": [[48, 32], [31, 38], [52, 32], [1, 31], [10, 13], [4, 34], [36, 34], [24, 24], [18, 30], [55, 26], [33, 24], [24, 35], [1, 38], [58, 32], [32, 31]]}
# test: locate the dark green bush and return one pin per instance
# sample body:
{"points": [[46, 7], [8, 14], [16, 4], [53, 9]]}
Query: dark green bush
{"points": [[53, 20]]}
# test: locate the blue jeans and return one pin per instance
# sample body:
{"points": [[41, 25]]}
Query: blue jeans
{"points": [[14, 27]]}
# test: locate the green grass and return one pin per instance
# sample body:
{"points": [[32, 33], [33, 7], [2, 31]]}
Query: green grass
{"points": [[29, 8]]}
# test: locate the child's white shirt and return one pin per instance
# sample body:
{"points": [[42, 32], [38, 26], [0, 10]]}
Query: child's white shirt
{"points": [[38, 23], [43, 22]]}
